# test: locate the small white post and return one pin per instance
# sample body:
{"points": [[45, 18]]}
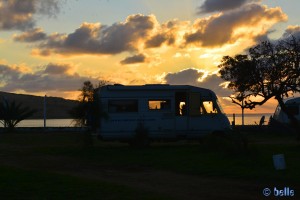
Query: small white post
{"points": [[242, 112], [45, 111]]}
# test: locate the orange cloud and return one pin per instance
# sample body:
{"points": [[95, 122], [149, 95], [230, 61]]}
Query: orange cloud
{"points": [[31, 35], [248, 21]]}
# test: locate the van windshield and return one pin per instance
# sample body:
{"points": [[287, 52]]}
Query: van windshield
{"points": [[209, 107]]}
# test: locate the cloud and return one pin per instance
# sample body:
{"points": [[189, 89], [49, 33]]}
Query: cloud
{"points": [[92, 38], [248, 21], [54, 68], [292, 31], [220, 5], [157, 40], [197, 78], [7, 74], [52, 77], [139, 58], [184, 77], [19, 14], [32, 35], [167, 33], [138, 33], [135, 34]]}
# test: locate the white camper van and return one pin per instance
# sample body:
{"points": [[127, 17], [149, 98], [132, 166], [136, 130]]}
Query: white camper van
{"points": [[165, 111], [293, 105]]}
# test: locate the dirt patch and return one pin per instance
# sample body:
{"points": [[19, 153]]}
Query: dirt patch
{"points": [[174, 185]]}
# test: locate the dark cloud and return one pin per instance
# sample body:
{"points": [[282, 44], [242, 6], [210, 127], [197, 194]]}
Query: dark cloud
{"points": [[193, 76], [166, 35], [156, 41], [263, 37], [53, 78], [159, 39], [31, 35], [219, 30], [53, 68], [7, 74], [292, 31], [19, 14], [139, 58], [184, 77], [220, 5], [96, 39]]}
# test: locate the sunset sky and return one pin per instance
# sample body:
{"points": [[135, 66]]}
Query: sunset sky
{"points": [[52, 46]]}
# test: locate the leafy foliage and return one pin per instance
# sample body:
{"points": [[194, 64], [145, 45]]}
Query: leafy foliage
{"points": [[12, 113], [269, 70], [89, 109]]}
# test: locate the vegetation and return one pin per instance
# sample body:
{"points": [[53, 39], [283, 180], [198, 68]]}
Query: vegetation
{"points": [[141, 138], [269, 70], [58, 166], [11, 113], [88, 111]]}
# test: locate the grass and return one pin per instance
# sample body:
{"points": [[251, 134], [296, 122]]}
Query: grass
{"points": [[41, 166], [32, 184]]}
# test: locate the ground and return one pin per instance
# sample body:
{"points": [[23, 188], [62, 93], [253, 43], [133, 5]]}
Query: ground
{"points": [[76, 165]]}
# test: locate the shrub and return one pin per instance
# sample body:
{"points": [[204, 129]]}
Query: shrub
{"points": [[141, 137]]}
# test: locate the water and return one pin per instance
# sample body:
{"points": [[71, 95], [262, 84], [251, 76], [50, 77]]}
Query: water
{"points": [[49, 123], [249, 119]]}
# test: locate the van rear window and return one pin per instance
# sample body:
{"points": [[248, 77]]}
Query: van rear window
{"points": [[122, 106]]}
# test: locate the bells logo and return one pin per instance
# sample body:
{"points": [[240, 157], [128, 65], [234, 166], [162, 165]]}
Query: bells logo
{"points": [[285, 192], [278, 192]]}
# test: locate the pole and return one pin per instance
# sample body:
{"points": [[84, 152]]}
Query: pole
{"points": [[45, 111], [242, 112]]}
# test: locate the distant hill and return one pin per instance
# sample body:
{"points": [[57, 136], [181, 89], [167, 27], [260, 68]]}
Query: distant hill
{"points": [[57, 108]]}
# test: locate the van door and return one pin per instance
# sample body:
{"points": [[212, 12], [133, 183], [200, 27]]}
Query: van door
{"points": [[181, 114], [205, 116]]}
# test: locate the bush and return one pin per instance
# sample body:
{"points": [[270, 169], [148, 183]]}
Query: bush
{"points": [[141, 137]]}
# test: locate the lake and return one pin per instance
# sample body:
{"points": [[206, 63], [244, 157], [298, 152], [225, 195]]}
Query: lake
{"points": [[249, 119], [49, 123]]}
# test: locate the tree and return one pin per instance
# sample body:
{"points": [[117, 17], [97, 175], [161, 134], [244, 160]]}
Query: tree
{"points": [[269, 70], [12, 113], [89, 110], [79, 112], [87, 92]]}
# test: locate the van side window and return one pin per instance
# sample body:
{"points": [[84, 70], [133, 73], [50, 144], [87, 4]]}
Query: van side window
{"points": [[159, 104], [120, 106], [181, 104]]}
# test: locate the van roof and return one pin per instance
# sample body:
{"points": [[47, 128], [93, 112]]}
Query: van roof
{"points": [[293, 100], [156, 87]]}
